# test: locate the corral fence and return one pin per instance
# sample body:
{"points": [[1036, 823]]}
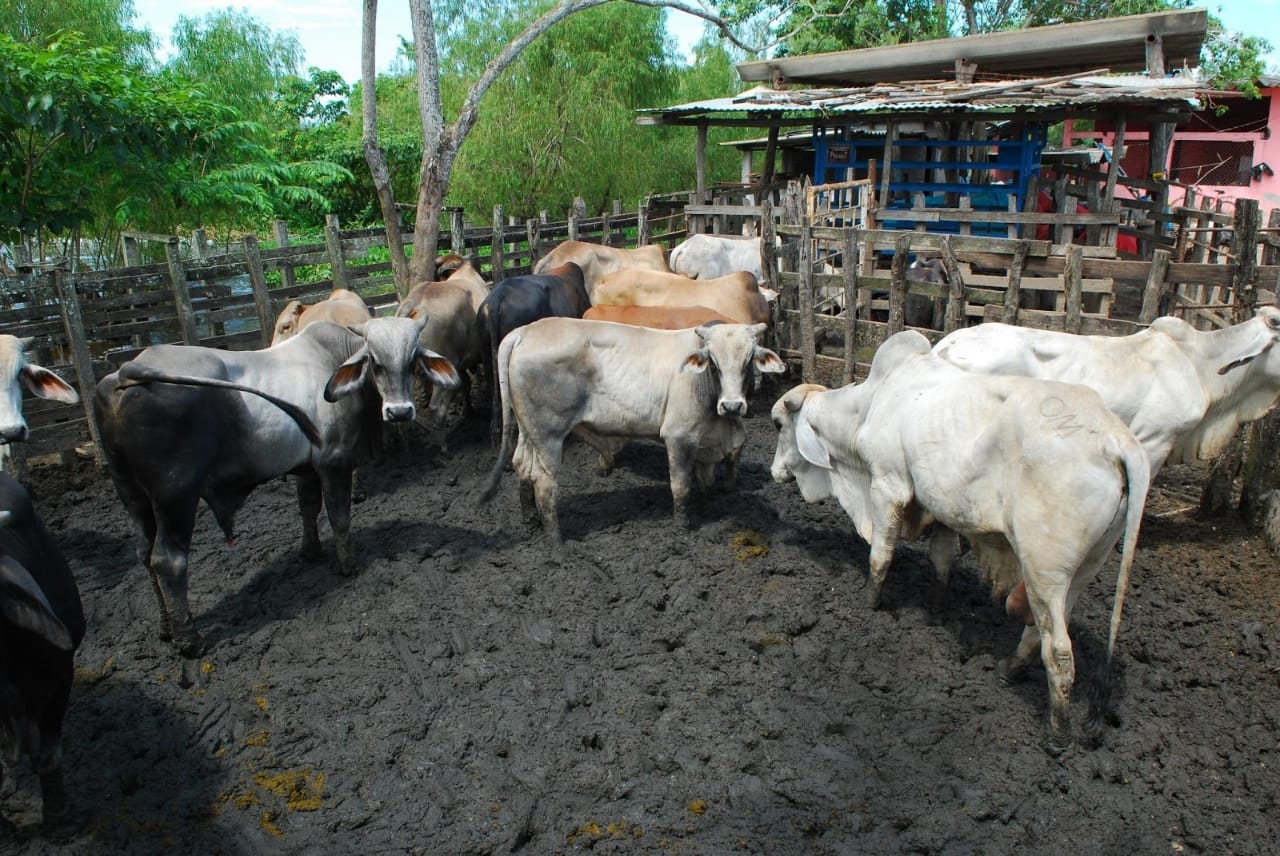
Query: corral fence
{"points": [[86, 323]]}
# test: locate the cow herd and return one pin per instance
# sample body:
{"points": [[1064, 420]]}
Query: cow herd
{"points": [[1036, 448]]}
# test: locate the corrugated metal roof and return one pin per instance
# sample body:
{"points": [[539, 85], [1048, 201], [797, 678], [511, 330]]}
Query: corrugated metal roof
{"points": [[928, 96]]}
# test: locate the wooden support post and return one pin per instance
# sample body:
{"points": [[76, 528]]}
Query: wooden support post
{"points": [[531, 235], [890, 137], [1013, 291], [850, 304], [498, 257], [130, 250], [700, 163], [1155, 288], [898, 283], [288, 279], [1108, 205], [644, 228], [808, 341], [73, 325], [261, 296], [337, 261], [1072, 277], [181, 294]]}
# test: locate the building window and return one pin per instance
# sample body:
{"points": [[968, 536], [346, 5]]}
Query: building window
{"points": [[1217, 163]]}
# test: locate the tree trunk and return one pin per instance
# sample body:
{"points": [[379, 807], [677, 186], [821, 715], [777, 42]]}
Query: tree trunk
{"points": [[426, 231], [373, 154]]}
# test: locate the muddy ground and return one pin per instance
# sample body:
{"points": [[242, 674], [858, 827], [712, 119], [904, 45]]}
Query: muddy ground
{"points": [[654, 691]]}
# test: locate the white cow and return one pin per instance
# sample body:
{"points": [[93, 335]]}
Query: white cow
{"points": [[712, 256], [1038, 475], [612, 382], [1183, 392], [16, 372]]}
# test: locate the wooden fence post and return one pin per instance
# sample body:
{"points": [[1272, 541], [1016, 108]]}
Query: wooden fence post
{"points": [[131, 251], [181, 294], [498, 252], [458, 233], [531, 235], [573, 224], [606, 235], [850, 304], [73, 323], [1155, 287], [338, 262], [898, 283], [1244, 247], [808, 342], [280, 229], [261, 297], [1013, 291], [643, 226], [768, 250], [955, 317], [1072, 277]]}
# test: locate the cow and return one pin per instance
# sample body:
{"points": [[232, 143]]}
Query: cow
{"points": [[518, 300], [1039, 475], [736, 295], [181, 423], [608, 382], [714, 256], [597, 260], [41, 626], [341, 307], [658, 317], [1183, 392], [450, 307], [16, 372]]}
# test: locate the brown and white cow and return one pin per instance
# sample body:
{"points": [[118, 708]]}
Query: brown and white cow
{"points": [[451, 330], [735, 295], [598, 260], [658, 317], [1039, 476], [609, 382], [340, 307]]}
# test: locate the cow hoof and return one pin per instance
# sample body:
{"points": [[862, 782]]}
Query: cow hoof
{"points": [[348, 569], [1056, 744], [310, 552], [1010, 673], [188, 643]]}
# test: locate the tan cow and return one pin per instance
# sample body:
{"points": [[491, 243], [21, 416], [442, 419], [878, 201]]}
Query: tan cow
{"points": [[735, 296], [597, 260], [451, 328], [341, 307], [657, 317]]}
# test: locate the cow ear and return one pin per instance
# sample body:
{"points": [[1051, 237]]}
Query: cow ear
{"points": [[696, 362], [24, 605], [810, 445], [349, 377], [45, 384], [438, 369], [769, 362]]}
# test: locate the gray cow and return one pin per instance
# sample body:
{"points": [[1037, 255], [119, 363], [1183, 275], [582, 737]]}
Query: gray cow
{"points": [[182, 423]]}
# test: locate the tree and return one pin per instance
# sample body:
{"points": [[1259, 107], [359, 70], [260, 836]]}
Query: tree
{"points": [[103, 23], [442, 141]]}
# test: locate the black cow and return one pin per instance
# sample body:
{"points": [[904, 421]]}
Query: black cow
{"points": [[41, 625], [181, 423], [520, 300]]}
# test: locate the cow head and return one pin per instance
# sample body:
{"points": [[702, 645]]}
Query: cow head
{"points": [[800, 454], [287, 322], [732, 352], [387, 357], [1266, 325], [39, 381]]}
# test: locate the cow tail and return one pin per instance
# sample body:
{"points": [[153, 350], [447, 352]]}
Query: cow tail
{"points": [[1137, 468], [506, 414]]}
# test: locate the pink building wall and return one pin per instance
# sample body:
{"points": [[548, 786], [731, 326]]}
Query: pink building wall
{"points": [[1228, 157]]}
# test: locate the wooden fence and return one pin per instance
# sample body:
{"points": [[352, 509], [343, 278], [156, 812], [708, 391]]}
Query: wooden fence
{"points": [[85, 324]]}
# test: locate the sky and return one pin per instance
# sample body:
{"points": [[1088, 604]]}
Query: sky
{"points": [[329, 30]]}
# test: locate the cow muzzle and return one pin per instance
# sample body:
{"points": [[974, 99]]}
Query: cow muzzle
{"points": [[398, 412], [732, 407], [13, 434]]}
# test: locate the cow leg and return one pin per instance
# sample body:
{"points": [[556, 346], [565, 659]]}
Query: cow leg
{"points": [[336, 483], [175, 521], [309, 502], [885, 526], [943, 545], [681, 461], [48, 761], [731, 462]]}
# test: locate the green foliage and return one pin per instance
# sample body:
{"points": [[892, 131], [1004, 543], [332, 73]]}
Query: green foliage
{"points": [[75, 125], [103, 23], [1234, 61]]}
